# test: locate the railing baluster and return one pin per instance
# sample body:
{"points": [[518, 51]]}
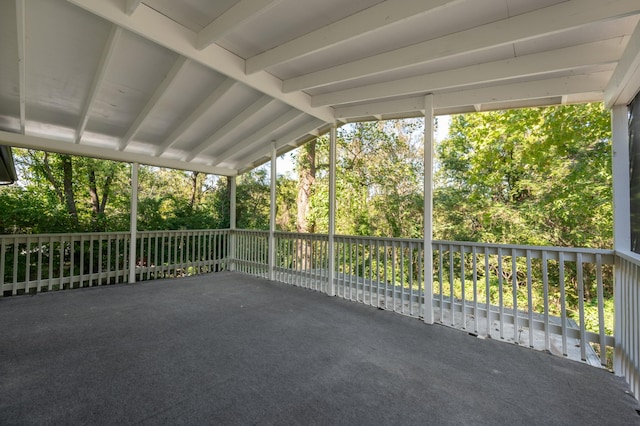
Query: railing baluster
{"points": [[488, 291], [514, 280], [451, 285], [583, 331], [501, 292], [545, 290], [463, 324], [563, 306], [530, 298], [600, 290]]}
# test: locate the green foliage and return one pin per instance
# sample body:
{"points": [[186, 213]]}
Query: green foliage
{"points": [[530, 176]]}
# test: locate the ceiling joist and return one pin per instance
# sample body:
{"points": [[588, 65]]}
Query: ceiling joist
{"points": [[570, 58], [103, 64], [168, 80], [625, 80], [160, 29], [235, 15], [550, 20], [195, 115], [383, 14], [245, 115]]}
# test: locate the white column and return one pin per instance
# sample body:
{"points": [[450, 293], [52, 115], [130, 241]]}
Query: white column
{"points": [[621, 212], [232, 223], [428, 209], [331, 290], [133, 231], [272, 217]]}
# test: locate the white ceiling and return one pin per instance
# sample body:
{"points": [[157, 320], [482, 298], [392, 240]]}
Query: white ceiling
{"points": [[213, 85]]}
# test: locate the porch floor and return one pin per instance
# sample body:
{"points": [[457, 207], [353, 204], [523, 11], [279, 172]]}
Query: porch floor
{"points": [[231, 349]]}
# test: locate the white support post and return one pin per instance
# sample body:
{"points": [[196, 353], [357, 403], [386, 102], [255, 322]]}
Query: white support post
{"points": [[331, 290], [232, 223], [621, 212], [133, 232], [428, 208], [272, 219]]}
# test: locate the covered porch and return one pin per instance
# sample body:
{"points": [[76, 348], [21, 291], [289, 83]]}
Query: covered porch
{"points": [[223, 87], [228, 348]]}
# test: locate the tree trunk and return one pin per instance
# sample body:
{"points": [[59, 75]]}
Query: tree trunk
{"points": [[67, 179], [306, 179]]}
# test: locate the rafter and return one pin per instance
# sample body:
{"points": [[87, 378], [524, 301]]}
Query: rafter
{"points": [[168, 80], [22, 66], [98, 78], [235, 15], [552, 87], [165, 32], [245, 115], [131, 6], [53, 145], [549, 20], [246, 143], [571, 58], [358, 24], [287, 139], [625, 80], [200, 110]]}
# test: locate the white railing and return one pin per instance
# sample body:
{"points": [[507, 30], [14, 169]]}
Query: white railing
{"points": [[251, 252], [548, 298], [165, 254], [628, 319], [47, 262], [302, 260]]}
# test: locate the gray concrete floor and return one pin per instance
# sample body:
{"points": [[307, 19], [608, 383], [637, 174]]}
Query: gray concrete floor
{"points": [[230, 349]]}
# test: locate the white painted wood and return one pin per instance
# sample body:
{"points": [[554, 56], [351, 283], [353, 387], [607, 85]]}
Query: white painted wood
{"points": [[101, 71], [22, 66], [625, 81], [331, 288], [236, 15], [375, 17], [272, 212], [307, 128], [248, 142], [156, 27], [131, 6], [168, 80], [549, 20], [552, 87], [53, 145], [232, 221], [133, 229], [245, 115], [582, 56], [620, 174], [197, 113], [428, 147]]}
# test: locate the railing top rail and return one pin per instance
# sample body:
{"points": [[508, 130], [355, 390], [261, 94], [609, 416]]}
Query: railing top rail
{"points": [[63, 234], [629, 256], [525, 247]]}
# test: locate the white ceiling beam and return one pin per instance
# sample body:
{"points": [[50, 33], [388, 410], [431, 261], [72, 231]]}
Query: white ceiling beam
{"points": [[289, 138], [248, 142], [98, 78], [159, 29], [168, 80], [625, 81], [570, 58], [549, 20], [131, 6], [22, 66], [547, 88], [197, 113], [53, 145], [238, 120], [235, 15], [371, 19]]}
